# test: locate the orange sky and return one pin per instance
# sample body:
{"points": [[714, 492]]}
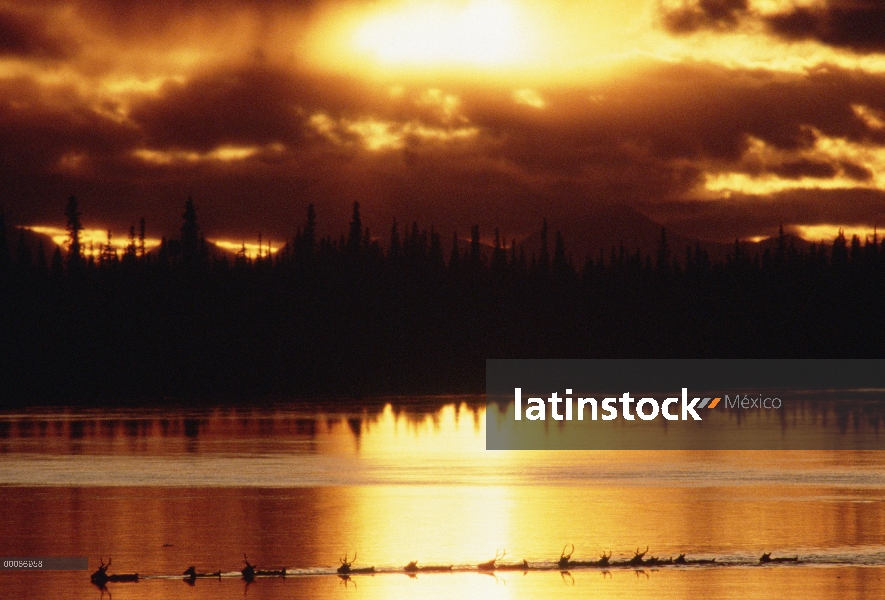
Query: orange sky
{"points": [[719, 118]]}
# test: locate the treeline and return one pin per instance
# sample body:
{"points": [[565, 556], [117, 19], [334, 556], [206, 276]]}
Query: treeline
{"points": [[348, 316]]}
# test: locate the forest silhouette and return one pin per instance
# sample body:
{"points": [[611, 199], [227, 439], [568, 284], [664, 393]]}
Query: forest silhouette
{"points": [[348, 317]]}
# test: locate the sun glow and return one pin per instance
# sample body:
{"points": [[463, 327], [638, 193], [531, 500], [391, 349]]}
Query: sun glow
{"points": [[827, 233], [529, 97], [376, 135], [482, 32], [848, 158], [92, 241], [221, 153], [513, 41], [248, 249]]}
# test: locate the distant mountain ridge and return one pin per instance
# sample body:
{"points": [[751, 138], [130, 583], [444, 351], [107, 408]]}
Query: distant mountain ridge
{"points": [[614, 226], [597, 232], [18, 235]]}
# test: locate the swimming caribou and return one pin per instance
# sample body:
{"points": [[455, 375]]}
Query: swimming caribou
{"points": [[101, 577], [346, 567], [766, 558]]}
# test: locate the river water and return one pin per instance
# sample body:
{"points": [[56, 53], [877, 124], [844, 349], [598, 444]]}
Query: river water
{"points": [[299, 485]]}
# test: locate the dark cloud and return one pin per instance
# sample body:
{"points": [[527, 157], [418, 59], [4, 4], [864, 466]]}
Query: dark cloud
{"points": [[261, 104], [702, 114], [855, 171], [645, 139], [52, 144], [39, 126], [234, 107], [457, 152], [704, 14], [742, 215], [29, 37], [805, 167], [858, 25]]}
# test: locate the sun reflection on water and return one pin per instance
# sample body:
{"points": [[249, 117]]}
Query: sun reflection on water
{"points": [[301, 484]]}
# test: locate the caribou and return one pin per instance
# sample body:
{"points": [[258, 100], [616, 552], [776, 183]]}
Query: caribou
{"points": [[101, 577], [766, 558], [192, 574], [565, 561], [492, 565], [346, 567], [681, 560], [413, 567], [637, 561], [250, 572]]}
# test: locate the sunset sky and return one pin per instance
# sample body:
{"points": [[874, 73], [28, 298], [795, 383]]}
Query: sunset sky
{"points": [[719, 118]]}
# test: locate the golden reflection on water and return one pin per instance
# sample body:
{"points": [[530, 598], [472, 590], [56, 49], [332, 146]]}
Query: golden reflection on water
{"points": [[451, 429], [301, 486]]}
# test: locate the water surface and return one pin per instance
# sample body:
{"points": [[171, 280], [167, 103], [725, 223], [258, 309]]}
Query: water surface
{"points": [[299, 485]]}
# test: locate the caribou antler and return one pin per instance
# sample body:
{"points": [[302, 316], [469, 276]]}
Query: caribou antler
{"points": [[345, 565], [637, 557], [490, 565], [564, 558]]}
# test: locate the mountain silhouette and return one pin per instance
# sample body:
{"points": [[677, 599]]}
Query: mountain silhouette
{"points": [[615, 225]]}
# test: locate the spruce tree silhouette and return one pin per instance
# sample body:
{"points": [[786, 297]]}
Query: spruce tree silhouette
{"points": [[455, 256], [499, 256], [190, 233], [42, 267], [74, 227], [395, 245], [309, 239], [544, 258], [662, 262], [23, 253], [435, 256], [355, 234], [405, 319], [141, 238], [4, 242], [560, 262], [475, 248], [56, 268], [840, 251], [132, 247], [108, 253]]}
